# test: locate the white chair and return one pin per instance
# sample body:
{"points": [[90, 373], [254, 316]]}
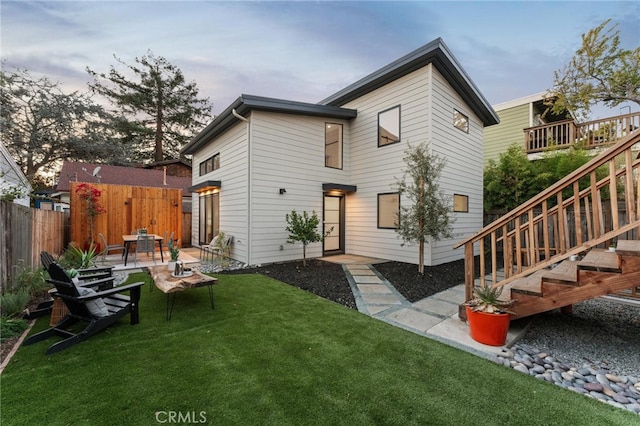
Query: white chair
{"points": [[109, 247], [219, 247]]}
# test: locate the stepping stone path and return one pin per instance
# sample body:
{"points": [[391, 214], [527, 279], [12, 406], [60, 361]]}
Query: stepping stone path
{"points": [[596, 382]]}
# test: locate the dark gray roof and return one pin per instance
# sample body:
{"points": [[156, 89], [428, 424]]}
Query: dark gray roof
{"points": [[246, 103], [436, 53]]}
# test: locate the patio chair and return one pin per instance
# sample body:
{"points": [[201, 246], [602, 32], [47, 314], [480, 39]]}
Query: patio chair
{"points": [[217, 247], [145, 244], [109, 247], [97, 309]]}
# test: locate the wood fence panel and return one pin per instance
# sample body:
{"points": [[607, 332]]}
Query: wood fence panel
{"points": [[24, 233], [128, 208]]}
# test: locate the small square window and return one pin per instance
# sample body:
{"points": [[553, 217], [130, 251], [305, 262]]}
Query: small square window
{"points": [[461, 203], [460, 121], [388, 210], [389, 126]]}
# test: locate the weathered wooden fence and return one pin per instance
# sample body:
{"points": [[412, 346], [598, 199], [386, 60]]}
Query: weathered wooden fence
{"points": [[24, 233]]}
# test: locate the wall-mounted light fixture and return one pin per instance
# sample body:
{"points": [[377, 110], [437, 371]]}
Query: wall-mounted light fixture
{"points": [[283, 191]]}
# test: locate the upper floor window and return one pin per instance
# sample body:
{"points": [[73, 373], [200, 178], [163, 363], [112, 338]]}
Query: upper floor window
{"points": [[333, 145], [389, 126], [460, 203], [388, 210], [210, 164], [460, 121]]}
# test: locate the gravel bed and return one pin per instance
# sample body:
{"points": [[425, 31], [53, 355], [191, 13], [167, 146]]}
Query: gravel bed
{"points": [[599, 332]]}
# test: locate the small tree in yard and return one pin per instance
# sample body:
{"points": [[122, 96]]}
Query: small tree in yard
{"points": [[303, 228], [428, 215]]}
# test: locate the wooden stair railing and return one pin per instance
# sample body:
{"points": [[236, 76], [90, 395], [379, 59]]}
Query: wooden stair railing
{"points": [[560, 221]]}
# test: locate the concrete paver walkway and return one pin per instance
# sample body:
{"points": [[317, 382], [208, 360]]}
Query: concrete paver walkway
{"points": [[435, 317]]}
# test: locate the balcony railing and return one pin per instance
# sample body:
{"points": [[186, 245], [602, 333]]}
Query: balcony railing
{"points": [[591, 134]]}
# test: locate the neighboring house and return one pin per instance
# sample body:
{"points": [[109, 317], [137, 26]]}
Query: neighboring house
{"points": [[119, 175], [180, 167], [12, 181], [261, 158], [515, 116]]}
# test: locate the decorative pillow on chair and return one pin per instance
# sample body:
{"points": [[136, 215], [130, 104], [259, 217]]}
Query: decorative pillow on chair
{"points": [[96, 306]]}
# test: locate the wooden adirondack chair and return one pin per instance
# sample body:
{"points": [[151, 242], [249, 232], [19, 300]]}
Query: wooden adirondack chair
{"points": [[98, 309]]}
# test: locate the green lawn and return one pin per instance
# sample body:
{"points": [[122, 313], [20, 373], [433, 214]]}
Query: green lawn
{"points": [[272, 354]]}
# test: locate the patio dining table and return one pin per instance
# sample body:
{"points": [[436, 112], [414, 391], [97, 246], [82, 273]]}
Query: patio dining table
{"points": [[130, 239]]}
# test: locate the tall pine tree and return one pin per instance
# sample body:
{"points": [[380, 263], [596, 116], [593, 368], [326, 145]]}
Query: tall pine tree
{"points": [[158, 110]]}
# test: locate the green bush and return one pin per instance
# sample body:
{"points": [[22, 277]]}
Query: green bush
{"points": [[31, 280], [13, 303], [76, 258], [11, 327]]}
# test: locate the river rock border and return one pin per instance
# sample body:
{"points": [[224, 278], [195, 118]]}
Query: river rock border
{"points": [[594, 381]]}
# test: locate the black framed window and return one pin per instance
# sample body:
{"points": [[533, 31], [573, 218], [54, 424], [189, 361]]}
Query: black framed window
{"points": [[460, 121], [209, 217], [333, 145], [389, 126], [210, 164], [461, 203], [388, 210]]}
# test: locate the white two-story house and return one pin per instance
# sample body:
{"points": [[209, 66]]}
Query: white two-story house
{"points": [[263, 157]]}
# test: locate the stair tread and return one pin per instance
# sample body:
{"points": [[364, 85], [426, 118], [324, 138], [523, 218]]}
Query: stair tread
{"points": [[528, 285], [628, 247], [598, 259], [564, 271]]}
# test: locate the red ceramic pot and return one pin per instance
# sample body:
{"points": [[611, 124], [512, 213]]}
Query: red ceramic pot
{"points": [[489, 329]]}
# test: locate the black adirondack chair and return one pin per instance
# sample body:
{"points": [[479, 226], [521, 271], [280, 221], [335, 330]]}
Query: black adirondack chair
{"points": [[84, 275], [116, 306], [96, 278]]}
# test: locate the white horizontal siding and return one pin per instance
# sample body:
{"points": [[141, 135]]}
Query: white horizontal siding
{"points": [[288, 152], [463, 171], [232, 146]]}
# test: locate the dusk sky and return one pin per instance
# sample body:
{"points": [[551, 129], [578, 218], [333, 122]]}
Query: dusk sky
{"points": [[304, 51]]}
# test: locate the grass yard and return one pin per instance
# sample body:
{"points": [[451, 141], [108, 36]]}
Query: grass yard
{"points": [[271, 353]]}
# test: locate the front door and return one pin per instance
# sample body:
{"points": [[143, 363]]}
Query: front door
{"points": [[333, 224]]}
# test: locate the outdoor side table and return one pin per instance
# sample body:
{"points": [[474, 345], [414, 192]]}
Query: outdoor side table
{"points": [[170, 285]]}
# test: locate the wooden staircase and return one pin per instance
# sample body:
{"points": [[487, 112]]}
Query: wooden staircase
{"points": [[529, 250], [600, 272]]}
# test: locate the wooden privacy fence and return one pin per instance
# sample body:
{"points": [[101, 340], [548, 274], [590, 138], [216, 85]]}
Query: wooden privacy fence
{"points": [[127, 208], [24, 233]]}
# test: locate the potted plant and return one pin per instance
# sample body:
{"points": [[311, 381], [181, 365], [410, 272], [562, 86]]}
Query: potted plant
{"points": [[488, 316], [174, 253]]}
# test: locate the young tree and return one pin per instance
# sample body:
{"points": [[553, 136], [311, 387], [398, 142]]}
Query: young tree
{"points": [[41, 125], [158, 111], [600, 71], [428, 216], [304, 228]]}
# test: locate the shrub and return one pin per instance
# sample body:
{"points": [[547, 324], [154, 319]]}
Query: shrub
{"points": [[13, 303], [10, 327]]}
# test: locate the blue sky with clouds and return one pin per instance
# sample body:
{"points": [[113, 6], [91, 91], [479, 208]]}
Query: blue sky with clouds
{"points": [[304, 51]]}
